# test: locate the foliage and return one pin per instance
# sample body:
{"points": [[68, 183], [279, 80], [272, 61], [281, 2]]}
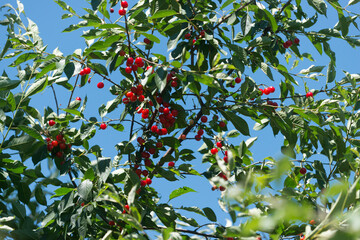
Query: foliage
{"points": [[210, 44]]}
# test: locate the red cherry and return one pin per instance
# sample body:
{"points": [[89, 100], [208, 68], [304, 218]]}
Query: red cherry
{"points": [[59, 154], [122, 53], [222, 188], [214, 151], [302, 171], [154, 128], [204, 119], [148, 181], [48, 139], [148, 162], [194, 41], [200, 132], [219, 144], [111, 10], [145, 173], [308, 94], [62, 146], [159, 145], [171, 164], [124, 4], [128, 70], [144, 116], [59, 137], [267, 91], [202, 33], [50, 147], [143, 183], [78, 99], [174, 84], [133, 98], [82, 204], [145, 111], [141, 98], [52, 122], [82, 72], [54, 143], [147, 41], [129, 94], [111, 223], [174, 112], [103, 126], [126, 100], [296, 41], [187, 36], [238, 80], [197, 137], [272, 89], [166, 111], [289, 43], [140, 140], [261, 91], [151, 103], [182, 136], [222, 124], [138, 61], [134, 68], [122, 12], [152, 150], [159, 100], [226, 159], [100, 85], [164, 131], [87, 70]]}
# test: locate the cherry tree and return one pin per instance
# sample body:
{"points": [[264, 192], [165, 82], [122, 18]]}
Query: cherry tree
{"points": [[184, 78]]}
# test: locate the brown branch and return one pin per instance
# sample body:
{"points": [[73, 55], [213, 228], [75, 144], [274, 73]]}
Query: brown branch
{"points": [[185, 231], [56, 101]]}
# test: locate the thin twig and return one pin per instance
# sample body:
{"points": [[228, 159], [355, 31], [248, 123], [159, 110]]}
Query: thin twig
{"points": [[56, 102]]}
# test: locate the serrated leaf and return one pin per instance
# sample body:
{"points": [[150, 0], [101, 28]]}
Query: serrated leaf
{"points": [[180, 191]]}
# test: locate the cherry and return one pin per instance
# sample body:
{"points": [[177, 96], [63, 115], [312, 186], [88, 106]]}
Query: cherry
{"points": [[171, 164], [147, 41], [126, 100], [174, 112], [289, 43], [50, 147], [182, 136], [143, 183], [54, 143], [154, 128], [261, 91], [127, 207], [222, 124], [238, 80], [200, 132], [226, 159], [122, 53], [122, 12], [214, 151], [78, 99], [145, 173], [159, 100], [52, 122], [134, 68], [222, 188], [152, 150], [133, 98], [194, 41], [166, 111], [312, 222], [141, 98], [140, 140], [219, 144], [129, 94], [87, 70], [164, 131], [82, 72], [174, 84], [303, 170], [187, 36], [213, 188], [100, 85], [111, 10], [128, 70], [62, 146], [296, 41], [267, 91], [48, 139], [204, 119], [197, 137], [59, 154], [148, 181], [82, 204], [272, 89], [148, 162], [159, 145], [138, 61], [103, 126], [202, 33], [124, 4], [309, 94], [111, 223], [59, 137]]}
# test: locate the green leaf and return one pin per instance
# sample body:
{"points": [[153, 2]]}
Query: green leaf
{"points": [[84, 189], [74, 112], [151, 37], [168, 175], [210, 214], [37, 87], [11, 101], [24, 192], [62, 191], [180, 191], [23, 58], [99, 68], [104, 167], [318, 5], [331, 73], [352, 2], [40, 196], [266, 69], [19, 210], [270, 17], [163, 13], [239, 123], [226, 3], [312, 69], [160, 78], [7, 84], [31, 132], [95, 4]]}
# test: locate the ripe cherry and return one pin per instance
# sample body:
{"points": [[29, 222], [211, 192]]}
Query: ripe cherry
{"points": [[103, 126], [59, 137], [51, 122], [111, 10], [226, 159], [204, 119], [82, 204], [187, 36], [128, 70], [296, 41], [148, 181], [154, 128], [238, 80], [214, 188], [197, 137], [303, 170], [54, 143], [87, 70], [138, 61], [159, 100], [143, 183], [219, 144], [141, 98], [124, 4], [174, 83], [148, 162], [152, 150], [222, 124], [100, 85], [62, 146], [59, 154], [214, 151], [140, 140], [164, 131], [145, 173], [126, 100], [200, 132], [159, 145], [47, 139], [267, 91], [78, 99], [222, 188], [272, 89], [309, 94], [171, 164], [174, 112], [111, 223], [82, 72], [147, 41], [166, 111], [122, 12]]}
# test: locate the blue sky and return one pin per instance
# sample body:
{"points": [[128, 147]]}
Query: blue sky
{"points": [[47, 15]]}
